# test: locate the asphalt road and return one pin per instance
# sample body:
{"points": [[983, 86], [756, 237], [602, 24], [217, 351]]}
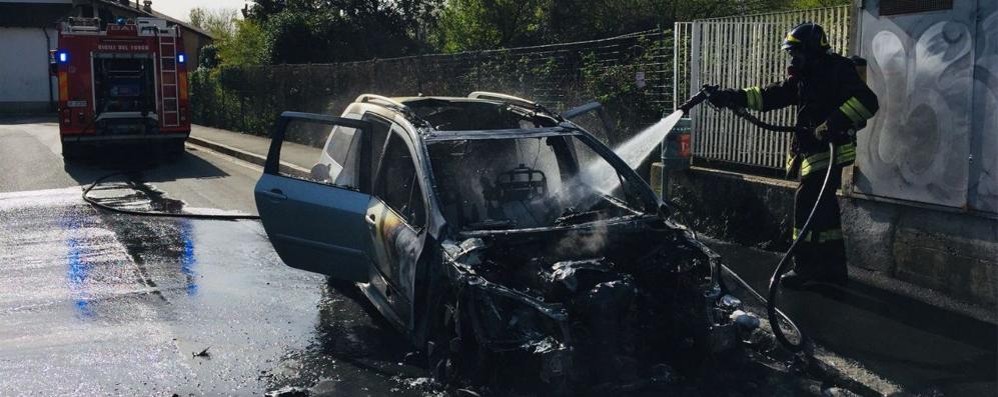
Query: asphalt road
{"points": [[93, 303]]}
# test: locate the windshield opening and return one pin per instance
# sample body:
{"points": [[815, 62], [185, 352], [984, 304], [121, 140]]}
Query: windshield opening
{"points": [[520, 183], [447, 115]]}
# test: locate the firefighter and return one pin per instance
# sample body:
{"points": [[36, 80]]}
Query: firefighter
{"points": [[833, 102]]}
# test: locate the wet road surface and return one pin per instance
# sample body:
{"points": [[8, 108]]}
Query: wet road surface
{"points": [[95, 303]]}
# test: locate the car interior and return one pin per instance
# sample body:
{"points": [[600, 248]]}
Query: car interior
{"points": [[516, 183]]}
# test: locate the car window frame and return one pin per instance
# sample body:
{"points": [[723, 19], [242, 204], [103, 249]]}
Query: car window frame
{"points": [[272, 165], [372, 117], [397, 129]]}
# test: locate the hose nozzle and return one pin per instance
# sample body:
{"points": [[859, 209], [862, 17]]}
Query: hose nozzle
{"points": [[705, 92]]}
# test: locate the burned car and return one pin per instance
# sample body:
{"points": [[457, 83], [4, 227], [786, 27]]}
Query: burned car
{"points": [[501, 238]]}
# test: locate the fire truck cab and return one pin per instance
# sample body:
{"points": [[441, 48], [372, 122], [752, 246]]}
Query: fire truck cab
{"points": [[125, 83]]}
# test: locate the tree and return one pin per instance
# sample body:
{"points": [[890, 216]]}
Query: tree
{"points": [[818, 3], [481, 24], [298, 31], [236, 41], [209, 56], [220, 23], [247, 46], [344, 30]]}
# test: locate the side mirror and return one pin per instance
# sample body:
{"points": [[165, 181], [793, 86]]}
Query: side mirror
{"points": [[53, 66]]}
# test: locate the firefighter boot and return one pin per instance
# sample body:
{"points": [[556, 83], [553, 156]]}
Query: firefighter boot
{"points": [[794, 280], [803, 272]]}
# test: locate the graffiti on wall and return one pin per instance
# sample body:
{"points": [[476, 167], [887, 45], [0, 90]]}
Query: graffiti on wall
{"points": [[984, 167], [925, 69]]}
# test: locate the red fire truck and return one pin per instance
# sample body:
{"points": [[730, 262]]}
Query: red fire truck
{"points": [[124, 83]]}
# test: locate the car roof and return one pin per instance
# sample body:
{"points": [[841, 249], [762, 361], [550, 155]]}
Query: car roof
{"points": [[479, 113]]}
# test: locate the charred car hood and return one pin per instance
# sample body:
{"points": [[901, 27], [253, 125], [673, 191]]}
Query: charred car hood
{"points": [[576, 295]]}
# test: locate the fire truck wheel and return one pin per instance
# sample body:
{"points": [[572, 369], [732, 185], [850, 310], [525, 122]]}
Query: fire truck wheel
{"points": [[71, 150], [175, 148]]}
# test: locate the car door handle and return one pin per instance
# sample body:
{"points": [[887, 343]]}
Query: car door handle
{"points": [[371, 219], [275, 194]]}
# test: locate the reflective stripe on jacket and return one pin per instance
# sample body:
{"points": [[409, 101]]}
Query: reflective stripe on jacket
{"points": [[813, 236], [830, 92], [845, 154]]}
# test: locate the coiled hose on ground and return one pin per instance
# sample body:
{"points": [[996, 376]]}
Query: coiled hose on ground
{"points": [[95, 203]]}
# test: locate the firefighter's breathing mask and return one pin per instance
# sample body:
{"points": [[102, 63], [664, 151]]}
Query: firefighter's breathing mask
{"points": [[798, 62]]}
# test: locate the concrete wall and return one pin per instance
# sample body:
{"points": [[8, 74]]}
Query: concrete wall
{"points": [[745, 209], [953, 253], [24, 72], [936, 255]]}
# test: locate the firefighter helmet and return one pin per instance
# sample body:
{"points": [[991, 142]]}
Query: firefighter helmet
{"points": [[808, 37]]}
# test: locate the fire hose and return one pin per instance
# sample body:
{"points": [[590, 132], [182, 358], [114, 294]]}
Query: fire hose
{"points": [[97, 204], [773, 313]]}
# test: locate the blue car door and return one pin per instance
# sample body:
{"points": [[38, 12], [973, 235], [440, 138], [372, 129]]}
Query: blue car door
{"points": [[397, 219], [314, 211]]}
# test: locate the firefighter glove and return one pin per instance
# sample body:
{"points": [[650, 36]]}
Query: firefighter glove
{"points": [[823, 132], [727, 98]]}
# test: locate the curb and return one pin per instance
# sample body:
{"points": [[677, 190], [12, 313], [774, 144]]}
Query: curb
{"points": [[248, 157], [228, 150]]}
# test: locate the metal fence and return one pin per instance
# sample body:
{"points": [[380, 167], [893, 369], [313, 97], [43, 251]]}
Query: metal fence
{"points": [[631, 74], [741, 52]]}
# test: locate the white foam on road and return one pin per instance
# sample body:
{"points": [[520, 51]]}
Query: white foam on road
{"points": [[50, 198], [63, 270], [95, 303]]}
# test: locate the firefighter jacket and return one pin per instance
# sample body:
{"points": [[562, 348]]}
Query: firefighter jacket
{"points": [[830, 91]]}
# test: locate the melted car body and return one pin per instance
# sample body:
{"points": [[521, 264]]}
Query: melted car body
{"points": [[499, 237]]}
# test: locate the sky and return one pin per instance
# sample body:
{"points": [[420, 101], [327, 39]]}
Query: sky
{"points": [[180, 9]]}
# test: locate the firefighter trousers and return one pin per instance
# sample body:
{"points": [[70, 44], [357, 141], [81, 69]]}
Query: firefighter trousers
{"points": [[821, 251]]}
